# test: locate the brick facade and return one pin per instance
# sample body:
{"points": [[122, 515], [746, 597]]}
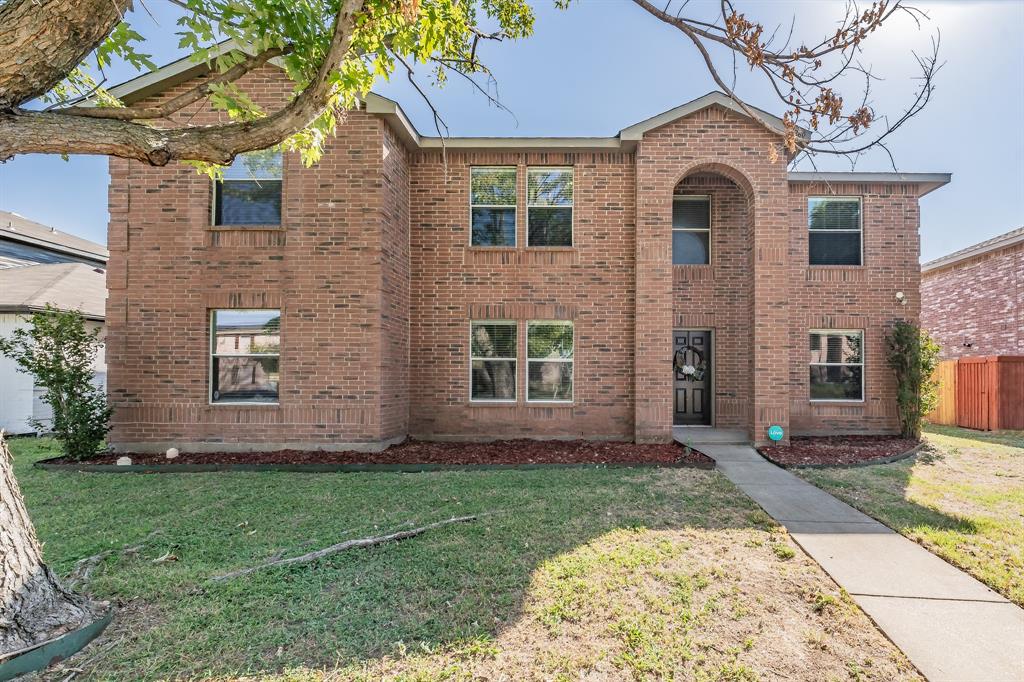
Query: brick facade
{"points": [[974, 305], [377, 284]]}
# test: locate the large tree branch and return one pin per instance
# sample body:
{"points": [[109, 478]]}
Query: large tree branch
{"points": [[41, 41], [24, 131], [184, 99]]}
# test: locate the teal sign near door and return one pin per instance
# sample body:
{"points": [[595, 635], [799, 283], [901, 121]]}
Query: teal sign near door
{"points": [[775, 432]]}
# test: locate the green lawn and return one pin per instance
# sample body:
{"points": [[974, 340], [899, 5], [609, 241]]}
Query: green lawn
{"points": [[962, 498], [616, 573]]}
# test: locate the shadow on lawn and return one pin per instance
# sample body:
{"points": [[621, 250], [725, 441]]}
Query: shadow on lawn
{"points": [[883, 492], [460, 583]]}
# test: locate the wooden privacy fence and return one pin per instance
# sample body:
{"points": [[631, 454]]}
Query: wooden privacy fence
{"points": [[984, 393]]}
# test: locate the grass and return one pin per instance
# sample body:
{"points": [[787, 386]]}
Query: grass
{"points": [[962, 498], [615, 573]]}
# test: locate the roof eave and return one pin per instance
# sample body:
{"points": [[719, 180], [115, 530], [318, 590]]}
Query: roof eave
{"points": [[995, 244], [927, 182]]}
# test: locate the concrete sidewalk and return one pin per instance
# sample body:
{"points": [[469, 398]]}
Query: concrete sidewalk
{"points": [[951, 626]]}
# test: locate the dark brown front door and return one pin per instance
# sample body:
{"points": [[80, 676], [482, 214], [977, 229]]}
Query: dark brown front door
{"points": [[691, 367]]}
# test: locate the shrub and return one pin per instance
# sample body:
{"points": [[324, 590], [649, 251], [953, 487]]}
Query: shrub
{"points": [[59, 351], [913, 356]]}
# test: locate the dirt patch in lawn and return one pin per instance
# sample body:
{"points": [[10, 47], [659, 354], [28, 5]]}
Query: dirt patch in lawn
{"points": [[512, 452], [838, 450]]}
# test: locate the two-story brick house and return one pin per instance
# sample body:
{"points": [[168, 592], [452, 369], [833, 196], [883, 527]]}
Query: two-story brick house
{"points": [[475, 288]]}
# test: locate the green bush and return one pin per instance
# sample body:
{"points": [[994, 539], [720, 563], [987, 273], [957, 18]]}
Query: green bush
{"points": [[59, 351], [913, 356]]}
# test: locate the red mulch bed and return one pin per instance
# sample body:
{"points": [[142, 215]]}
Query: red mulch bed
{"points": [[837, 450], [522, 451]]}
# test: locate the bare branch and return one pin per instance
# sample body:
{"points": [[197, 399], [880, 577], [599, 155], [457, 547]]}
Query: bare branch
{"points": [[815, 119]]}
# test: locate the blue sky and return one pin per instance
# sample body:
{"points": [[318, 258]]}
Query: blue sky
{"points": [[605, 64]]}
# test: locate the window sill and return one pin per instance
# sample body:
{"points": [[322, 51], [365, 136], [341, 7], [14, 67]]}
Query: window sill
{"points": [[492, 403], [837, 401], [814, 266], [246, 228], [229, 404], [493, 249]]}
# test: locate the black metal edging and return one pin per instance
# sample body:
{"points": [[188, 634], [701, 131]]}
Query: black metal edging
{"points": [[51, 465], [853, 465], [55, 650]]}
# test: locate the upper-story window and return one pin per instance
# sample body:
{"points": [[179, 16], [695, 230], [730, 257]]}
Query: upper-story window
{"points": [[492, 198], [245, 350], [835, 230], [549, 206], [691, 230], [250, 192]]}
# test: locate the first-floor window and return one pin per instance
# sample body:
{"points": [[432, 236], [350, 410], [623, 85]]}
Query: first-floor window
{"points": [[493, 361], [549, 359], [837, 365], [245, 348]]}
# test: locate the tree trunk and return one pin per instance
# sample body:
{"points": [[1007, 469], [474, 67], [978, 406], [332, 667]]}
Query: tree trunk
{"points": [[34, 607], [42, 40]]}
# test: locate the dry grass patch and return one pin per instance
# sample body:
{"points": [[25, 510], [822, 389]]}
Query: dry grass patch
{"points": [[962, 498], [578, 574]]}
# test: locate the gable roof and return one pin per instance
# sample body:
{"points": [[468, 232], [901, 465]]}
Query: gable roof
{"points": [[21, 230], [625, 140], [183, 69], [988, 246], [65, 286]]}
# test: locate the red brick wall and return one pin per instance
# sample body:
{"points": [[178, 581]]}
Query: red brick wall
{"points": [[853, 297], [710, 141], [377, 285], [590, 283], [979, 301], [325, 267]]}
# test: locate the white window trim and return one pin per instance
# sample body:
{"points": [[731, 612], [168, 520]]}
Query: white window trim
{"points": [[861, 364], [711, 246], [213, 207], [564, 360], [514, 206], [214, 353], [572, 205], [859, 230], [514, 360]]}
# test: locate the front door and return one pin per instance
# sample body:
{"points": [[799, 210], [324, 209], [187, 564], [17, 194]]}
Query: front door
{"points": [[691, 367]]}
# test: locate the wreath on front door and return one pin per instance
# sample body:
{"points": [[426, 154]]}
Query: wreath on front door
{"points": [[686, 371]]}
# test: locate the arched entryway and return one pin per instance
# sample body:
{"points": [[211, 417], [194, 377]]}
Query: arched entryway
{"points": [[712, 280]]}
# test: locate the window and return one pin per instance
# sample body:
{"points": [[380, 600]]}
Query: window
{"points": [[549, 361], [549, 206], [492, 198], [245, 365], [835, 230], [250, 192], [691, 230], [837, 365], [493, 361]]}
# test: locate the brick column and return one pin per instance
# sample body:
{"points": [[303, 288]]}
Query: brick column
{"points": [[773, 344]]}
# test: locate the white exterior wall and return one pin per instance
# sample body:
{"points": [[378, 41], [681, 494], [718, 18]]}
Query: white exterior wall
{"points": [[20, 399], [16, 388]]}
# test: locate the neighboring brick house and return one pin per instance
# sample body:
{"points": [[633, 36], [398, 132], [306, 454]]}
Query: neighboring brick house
{"points": [[502, 287], [972, 301]]}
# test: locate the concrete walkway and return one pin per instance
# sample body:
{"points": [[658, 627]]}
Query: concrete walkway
{"points": [[951, 626]]}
